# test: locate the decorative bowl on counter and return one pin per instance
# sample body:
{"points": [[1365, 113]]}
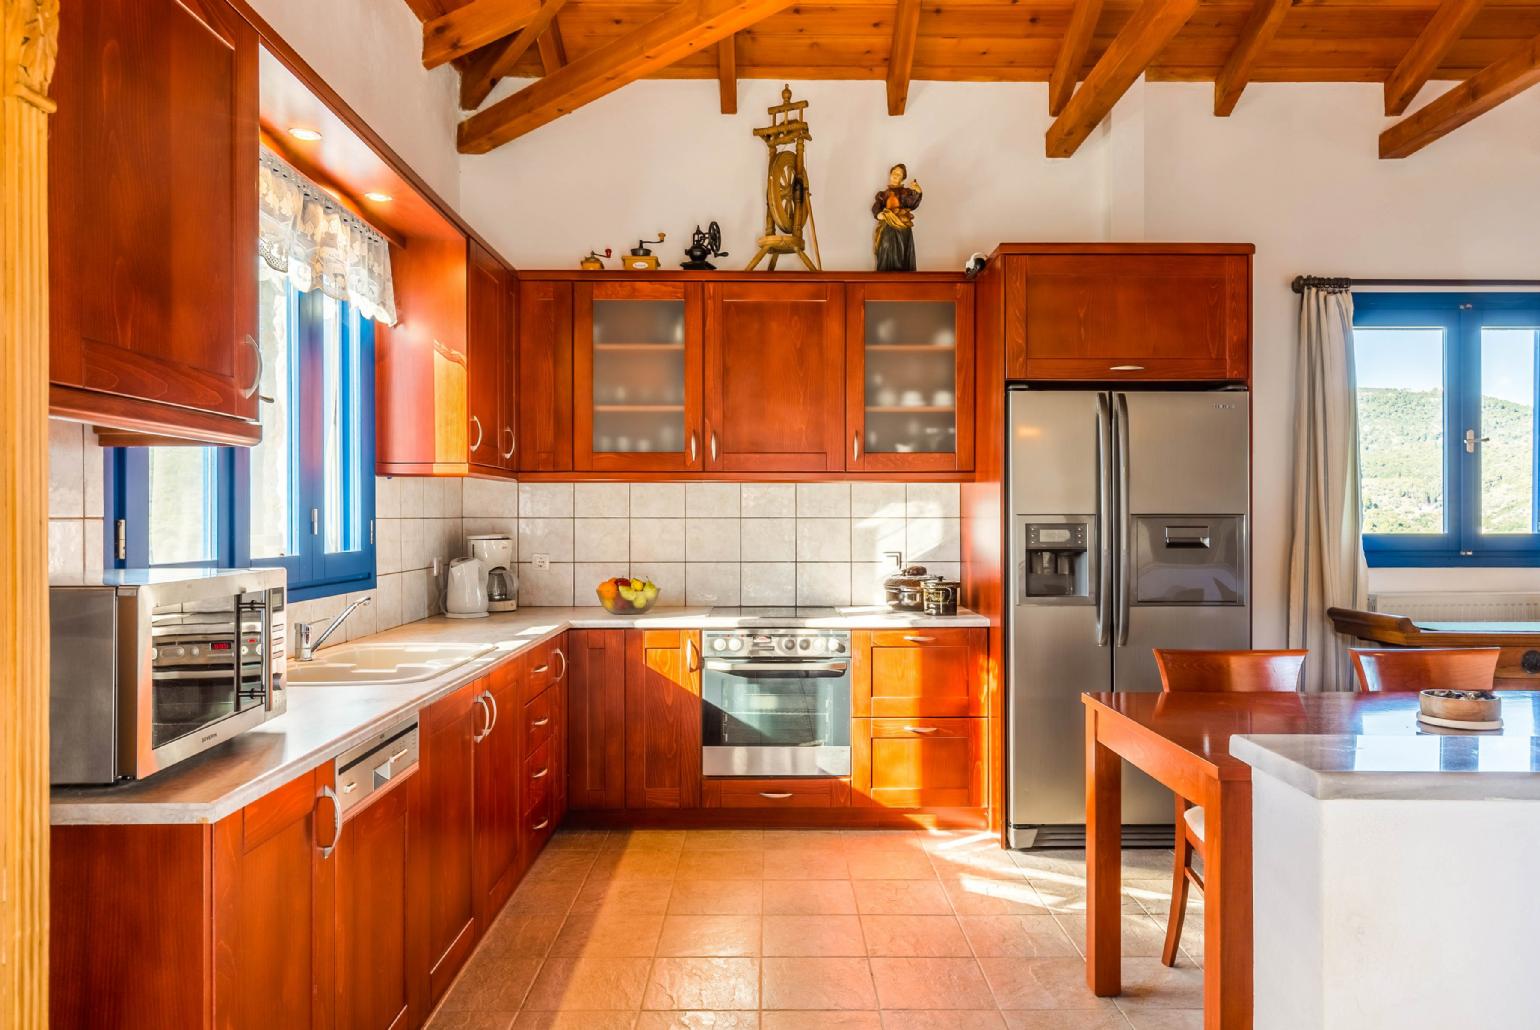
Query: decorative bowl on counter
{"points": [[626, 596], [1465, 709]]}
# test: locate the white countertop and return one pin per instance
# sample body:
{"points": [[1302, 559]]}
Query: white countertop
{"points": [[323, 721]]}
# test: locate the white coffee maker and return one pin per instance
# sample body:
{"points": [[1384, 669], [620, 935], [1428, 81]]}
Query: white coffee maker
{"points": [[496, 553]]}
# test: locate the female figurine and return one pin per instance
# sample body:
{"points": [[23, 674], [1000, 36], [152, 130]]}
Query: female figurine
{"points": [[893, 241]]}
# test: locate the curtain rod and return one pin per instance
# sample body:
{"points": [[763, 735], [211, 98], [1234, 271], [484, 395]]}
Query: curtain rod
{"points": [[1343, 283]]}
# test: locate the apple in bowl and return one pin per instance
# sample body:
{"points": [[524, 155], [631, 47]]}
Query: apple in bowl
{"points": [[624, 595]]}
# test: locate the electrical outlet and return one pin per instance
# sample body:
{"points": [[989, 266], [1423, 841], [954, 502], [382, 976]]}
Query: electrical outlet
{"points": [[541, 561]]}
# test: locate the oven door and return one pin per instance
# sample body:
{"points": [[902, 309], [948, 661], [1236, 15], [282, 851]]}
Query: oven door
{"points": [[764, 717]]}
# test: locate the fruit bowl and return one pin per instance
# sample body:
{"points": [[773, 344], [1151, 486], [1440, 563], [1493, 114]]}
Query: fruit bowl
{"points": [[626, 596]]}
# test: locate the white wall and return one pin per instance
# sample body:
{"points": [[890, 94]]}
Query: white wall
{"points": [[370, 51], [1294, 171]]}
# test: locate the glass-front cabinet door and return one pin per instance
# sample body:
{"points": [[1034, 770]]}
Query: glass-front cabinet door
{"points": [[637, 376], [909, 380]]}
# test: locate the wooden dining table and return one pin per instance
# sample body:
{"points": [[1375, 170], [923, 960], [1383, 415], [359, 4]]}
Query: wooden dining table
{"points": [[1183, 741]]}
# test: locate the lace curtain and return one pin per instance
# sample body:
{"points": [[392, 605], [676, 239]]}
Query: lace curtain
{"points": [[305, 235]]}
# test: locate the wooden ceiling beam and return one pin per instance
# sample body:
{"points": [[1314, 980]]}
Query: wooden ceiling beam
{"points": [[1443, 31], [498, 60], [472, 27], [1071, 57], [906, 29], [1144, 35], [1497, 82], [685, 28], [727, 73], [1261, 26], [553, 49]]}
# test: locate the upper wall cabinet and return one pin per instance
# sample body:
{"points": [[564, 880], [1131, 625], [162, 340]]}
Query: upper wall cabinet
{"points": [[490, 365], [1138, 312], [910, 357], [543, 312], [153, 219]]}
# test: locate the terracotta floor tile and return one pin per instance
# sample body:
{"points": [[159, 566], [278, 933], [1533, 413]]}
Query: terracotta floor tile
{"points": [[491, 983], [930, 983], [590, 983], [1143, 1018], [444, 1020], [1012, 936], [520, 935], [724, 840], [817, 983], [710, 936], [807, 898], [820, 863], [1148, 984], [703, 983], [575, 1020], [885, 838], [1064, 1019], [901, 897], [828, 935], [741, 864], [549, 897], [986, 896], [716, 898], [624, 896], [912, 936], [1040, 983], [576, 840], [639, 864], [897, 864], [609, 933], [561, 865], [803, 839], [1142, 936], [641, 840], [699, 1020], [920, 1019], [820, 1021]]}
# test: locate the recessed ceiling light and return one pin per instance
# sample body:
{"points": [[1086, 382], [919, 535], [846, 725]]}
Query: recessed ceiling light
{"points": [[308, 135], [378, 197]]}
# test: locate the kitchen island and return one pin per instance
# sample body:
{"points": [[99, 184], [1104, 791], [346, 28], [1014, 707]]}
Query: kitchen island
{"points": [[1392, 875]]}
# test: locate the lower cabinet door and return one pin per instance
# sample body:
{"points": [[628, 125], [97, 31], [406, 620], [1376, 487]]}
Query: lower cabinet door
{"points": [[445, 865], [375, 926], [918, 763], [596, 719], [497, 794], [663, 719]]}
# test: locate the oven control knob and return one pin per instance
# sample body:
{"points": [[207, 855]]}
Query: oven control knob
{"points": [[805, 643], [736, 643], [719, 644], [788, 644], [839, 647]]}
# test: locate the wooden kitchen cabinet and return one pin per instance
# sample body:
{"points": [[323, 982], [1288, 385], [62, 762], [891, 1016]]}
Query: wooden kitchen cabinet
{"points": [[490, 388], [909, 377], [918, 763], [925, 672], [152, 213], [543, 314], [1129, 312], [774, 375], [446, 865], [596, 719], [663, 719], [498, 753]]}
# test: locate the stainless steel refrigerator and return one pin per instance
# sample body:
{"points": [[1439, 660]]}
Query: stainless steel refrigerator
{"points": [[1128, 520]]}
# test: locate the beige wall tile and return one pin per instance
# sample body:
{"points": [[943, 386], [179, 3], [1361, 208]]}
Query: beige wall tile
{"points": [[711, 500], [66, 492], [545, 500], [768, 540], [823, 540], [711, 583], [768, 500], [602, 540], [66, 555], [711, 539], [601, 500], [823, 500], [656, 539], [548, 587], [657, 500], [768, 583]]}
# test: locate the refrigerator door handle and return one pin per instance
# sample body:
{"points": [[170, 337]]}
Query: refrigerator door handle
{"points": [[1124, 527], [1104, 511]]}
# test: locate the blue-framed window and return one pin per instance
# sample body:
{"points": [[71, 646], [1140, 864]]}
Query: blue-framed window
{"points": [[303, 498], [1447, 390]]}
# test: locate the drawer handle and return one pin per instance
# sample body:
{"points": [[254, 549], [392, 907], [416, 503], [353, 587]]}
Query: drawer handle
{"points": [[541, 669], [919, 640], [774, 796], [540, 722], [1126, 368], [350, 788], [542, 824], [541, 774], [921, 729]]}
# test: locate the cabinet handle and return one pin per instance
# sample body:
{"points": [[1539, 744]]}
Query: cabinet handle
{"points": [[481, 699], [331, 795], [541, 774], [563, 674], [542, 824], [508, 430], [855, 446], [256, 380], [692, 447], [919, 639], [540, 722], [480, 433], [773, 796], [691, 659], [541, 670], [711, 435], [493, 702], [1126, 368], [921, 729]]}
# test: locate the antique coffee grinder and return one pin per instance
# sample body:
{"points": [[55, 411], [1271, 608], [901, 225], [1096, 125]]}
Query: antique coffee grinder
{"points": [[704, 246]]}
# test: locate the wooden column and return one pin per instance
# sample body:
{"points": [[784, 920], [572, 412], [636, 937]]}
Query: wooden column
{"points": [[28, 42]]}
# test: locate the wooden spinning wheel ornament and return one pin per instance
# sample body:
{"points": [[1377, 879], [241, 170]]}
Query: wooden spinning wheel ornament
{"points": [[788, 198]]}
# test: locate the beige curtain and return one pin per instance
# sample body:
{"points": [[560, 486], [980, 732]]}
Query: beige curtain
{"points": [[1326, 554]]}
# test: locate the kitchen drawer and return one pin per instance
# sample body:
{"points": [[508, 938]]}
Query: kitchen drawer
{"points": [[544, 664], [733, 792], [538, 777], [918, 763], [538, 827], [929, 673], [539, 720]]}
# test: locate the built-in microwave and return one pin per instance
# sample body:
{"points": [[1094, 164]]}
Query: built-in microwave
{"points": [[150, 667]]}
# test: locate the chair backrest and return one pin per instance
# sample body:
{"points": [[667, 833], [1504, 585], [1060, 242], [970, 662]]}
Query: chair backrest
{"points": [[1240, 672], [1422, 668]]}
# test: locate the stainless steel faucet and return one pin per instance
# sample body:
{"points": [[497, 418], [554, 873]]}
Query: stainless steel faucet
{"points": [[307, 646]]}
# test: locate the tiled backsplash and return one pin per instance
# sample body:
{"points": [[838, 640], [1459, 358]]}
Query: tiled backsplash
{"points": [[731, 543]]}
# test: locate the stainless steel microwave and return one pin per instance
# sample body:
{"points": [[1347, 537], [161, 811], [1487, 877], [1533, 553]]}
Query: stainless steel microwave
{"points": [[150, 667]]}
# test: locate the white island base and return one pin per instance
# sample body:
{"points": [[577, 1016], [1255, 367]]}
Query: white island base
{"points": [[1392, 912]]}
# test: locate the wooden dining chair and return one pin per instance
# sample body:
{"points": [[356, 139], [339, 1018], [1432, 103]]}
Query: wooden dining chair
{"points": [[1237, 672], [1423, 668]]}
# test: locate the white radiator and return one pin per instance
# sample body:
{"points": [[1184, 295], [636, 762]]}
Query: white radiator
{"points": [[1459, 607]]}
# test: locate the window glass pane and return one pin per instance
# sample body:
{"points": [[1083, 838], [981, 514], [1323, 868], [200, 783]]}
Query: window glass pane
{"points": [[341, 475], [1401, 428], [274, 461], [182, 518], [1508, 423]]}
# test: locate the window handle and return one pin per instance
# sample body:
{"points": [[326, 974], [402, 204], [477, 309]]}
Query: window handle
{"points": [[1471, 440], [315, 521]]}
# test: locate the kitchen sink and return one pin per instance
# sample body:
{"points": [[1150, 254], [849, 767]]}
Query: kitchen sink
{"points": [[358, 664]]}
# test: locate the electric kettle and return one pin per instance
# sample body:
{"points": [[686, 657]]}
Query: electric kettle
{"points": [[465, 589]]}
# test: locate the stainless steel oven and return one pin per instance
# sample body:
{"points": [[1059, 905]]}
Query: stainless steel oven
{"points": [[776, 702], [150, 667]]}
